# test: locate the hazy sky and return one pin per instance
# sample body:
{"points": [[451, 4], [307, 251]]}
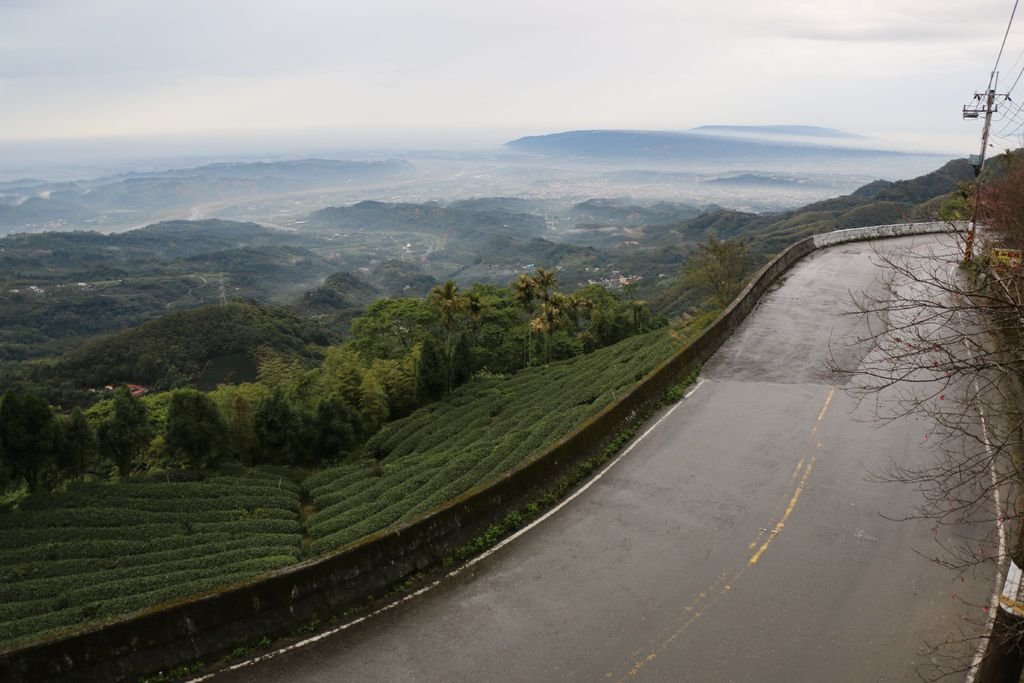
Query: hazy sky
{"points": [[355, 71]]}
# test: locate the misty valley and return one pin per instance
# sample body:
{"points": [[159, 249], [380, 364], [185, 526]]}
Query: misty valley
{"points": [[83, 258]]}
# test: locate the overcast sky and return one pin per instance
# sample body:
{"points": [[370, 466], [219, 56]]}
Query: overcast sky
{"points": [[351, 71]]}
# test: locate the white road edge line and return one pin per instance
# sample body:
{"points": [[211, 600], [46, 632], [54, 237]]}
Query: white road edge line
{"points": [[688, 394], [460, 569], [993, 608]]}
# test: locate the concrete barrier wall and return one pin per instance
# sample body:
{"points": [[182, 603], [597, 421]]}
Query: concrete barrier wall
{"points": [[826, 239], [210, 626]]}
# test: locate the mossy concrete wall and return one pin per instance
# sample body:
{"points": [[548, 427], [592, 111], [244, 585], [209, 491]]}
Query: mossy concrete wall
{"points": [[209, 626]]}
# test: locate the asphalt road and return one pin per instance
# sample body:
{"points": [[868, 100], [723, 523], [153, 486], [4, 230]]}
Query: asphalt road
{"points": [[740, 540]]}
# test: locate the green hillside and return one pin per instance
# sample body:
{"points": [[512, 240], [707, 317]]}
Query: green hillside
{"points": [[102, 549], [58, 289], [173, 349], [877, 203]]}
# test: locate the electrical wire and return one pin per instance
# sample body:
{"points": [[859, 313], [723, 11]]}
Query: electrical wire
{"points": [[1015, 120], [1016, 62], [1011, 127], [985, 136], [1011, 110], [1011, 118], [1016, 80], [1007, 132], [1014, 138], [1013, 115], [1000, 146], [1003, 45]]}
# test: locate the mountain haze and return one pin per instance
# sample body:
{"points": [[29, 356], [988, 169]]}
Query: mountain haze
{"points": [[666, 146], [801, 131]]}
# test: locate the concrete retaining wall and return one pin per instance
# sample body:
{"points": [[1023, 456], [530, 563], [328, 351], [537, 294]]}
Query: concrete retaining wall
{"points": [[209, 626], [826, 239]]}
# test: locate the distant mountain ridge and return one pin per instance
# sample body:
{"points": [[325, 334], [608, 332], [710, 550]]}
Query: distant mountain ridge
{"points": [[277, 170], [687, 146], [942, 180], [802, 131], [111, 201], [761, 180]]}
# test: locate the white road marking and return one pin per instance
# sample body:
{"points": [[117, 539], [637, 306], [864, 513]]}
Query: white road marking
{"points": [[688, 394], [993, 607], [979, 654], [457, 570]]}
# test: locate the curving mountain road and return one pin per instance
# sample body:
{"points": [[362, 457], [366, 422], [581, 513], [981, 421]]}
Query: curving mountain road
{"points": [[739, 540]]}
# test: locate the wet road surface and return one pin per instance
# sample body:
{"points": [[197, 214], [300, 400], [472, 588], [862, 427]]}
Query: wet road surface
{"points": [[740, 540]]}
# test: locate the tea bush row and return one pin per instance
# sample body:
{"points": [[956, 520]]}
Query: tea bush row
{"points": [[117, 577], [62, 559], [100, 550], [481, 431], [62, 617]]}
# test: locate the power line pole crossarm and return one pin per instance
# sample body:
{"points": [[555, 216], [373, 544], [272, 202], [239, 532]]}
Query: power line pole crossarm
{"points": [[972, 112]]}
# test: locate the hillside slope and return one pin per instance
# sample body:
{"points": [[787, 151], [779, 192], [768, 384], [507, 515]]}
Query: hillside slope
{"points": [[175, 348], [877, 203]]}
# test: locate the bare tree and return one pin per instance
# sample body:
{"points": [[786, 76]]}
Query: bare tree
{"points": [[947, 342]]}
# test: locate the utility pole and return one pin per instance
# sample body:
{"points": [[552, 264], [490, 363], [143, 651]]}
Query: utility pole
{"points": [[972, 112]]}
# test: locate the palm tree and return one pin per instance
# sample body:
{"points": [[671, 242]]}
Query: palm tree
{"points": [[545, 282], [525, 290], [639, 307], [475, 307], [539, 325], [576, 307], [448, 303], [540, 286], [552, 313]]}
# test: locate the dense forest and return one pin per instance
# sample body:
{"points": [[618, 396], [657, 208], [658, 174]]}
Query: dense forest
{"points": [[295, 398]]}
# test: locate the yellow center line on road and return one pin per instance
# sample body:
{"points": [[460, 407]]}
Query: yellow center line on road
{"points": [[785, 515], [824, 408], [792, 480], [704, 599], [800, 487]]}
